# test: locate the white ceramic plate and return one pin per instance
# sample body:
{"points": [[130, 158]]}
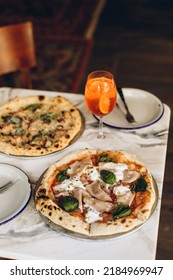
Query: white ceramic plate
{"points": [[144, 106], [14, 199]]}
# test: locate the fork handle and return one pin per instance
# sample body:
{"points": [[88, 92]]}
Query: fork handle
{"points": [[122, 97]]}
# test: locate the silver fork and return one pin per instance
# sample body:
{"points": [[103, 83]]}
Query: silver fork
{"points": [[129, 116]]}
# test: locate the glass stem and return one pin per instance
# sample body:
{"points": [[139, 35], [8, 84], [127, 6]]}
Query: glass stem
{"points": [[101, 135]]}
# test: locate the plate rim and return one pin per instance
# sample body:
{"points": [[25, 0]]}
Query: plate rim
{"points": [[27, 200], [137, 126]]}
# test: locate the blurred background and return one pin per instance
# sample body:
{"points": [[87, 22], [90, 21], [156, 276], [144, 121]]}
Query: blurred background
{"points": [[133, 39]]}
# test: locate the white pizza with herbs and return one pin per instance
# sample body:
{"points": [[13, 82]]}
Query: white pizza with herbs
{"points": [[37, 125], [96, 192]]}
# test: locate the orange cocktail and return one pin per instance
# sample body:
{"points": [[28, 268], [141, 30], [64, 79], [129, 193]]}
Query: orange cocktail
{"points": [[100, 95]]}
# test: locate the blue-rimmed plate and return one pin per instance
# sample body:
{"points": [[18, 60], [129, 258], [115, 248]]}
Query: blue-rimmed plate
{"points": [[14, 199], [146, 108]]}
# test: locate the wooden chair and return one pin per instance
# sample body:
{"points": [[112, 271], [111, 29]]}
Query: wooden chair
{"points": [[17, 51]]}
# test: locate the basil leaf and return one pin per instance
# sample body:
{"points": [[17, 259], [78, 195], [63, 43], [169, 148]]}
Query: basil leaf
{"points": [[33, 106], [48, 116], [61, 176], [20, 131], [16, 120], [7, 119], [41, 133], [68, 203], [108, 177], [12, 119], [105, 158], [140, 185], [121, 211]]}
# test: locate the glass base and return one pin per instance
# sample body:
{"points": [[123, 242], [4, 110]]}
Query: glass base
{"points": [[101, 136], [97, 141]]}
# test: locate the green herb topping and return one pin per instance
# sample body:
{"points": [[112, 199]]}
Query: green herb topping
{"points": [[12, 119], [61, 176], [7, 119], [68, 203], [48, 116], [42, 133], [33, 106], [108, 177], [20, 131], [105, 158], [140, 185], [122, 210]]}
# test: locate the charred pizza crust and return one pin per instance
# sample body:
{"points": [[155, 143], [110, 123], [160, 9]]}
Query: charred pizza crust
{"points": [[37, 125], [141, 201]]}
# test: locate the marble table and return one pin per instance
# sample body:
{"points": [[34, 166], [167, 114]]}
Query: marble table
{"points": [[28, 237]]}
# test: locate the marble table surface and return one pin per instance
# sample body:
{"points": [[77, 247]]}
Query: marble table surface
{"points": [[28, 237]]}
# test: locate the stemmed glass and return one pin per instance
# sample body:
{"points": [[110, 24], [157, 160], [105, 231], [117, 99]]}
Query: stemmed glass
{"points": [[100, 96]]}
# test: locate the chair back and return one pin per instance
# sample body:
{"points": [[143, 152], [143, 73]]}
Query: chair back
{"points": [[17, 51]]}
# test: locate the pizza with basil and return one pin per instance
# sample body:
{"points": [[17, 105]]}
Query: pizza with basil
{"points": [[96, 192], [37, 125]]}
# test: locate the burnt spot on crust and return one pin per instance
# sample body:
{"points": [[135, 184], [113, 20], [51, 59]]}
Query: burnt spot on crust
{"points": [[72, 110], [56, 146], [50, 213], [60, 120], [45, 206], [42, 197], [41, 97], [60, 218], [110, 224], [59, 99], [73, 226], [144, 211], [67, 136], [50, 207], [54, 207], [42, 191], [123, 221], [127, 225]]}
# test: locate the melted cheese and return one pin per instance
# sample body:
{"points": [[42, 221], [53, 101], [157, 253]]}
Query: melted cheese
{"points": [[120, 190], [92, 215], [92, 173], [119, 171], [69, 185], [117, 168]]}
